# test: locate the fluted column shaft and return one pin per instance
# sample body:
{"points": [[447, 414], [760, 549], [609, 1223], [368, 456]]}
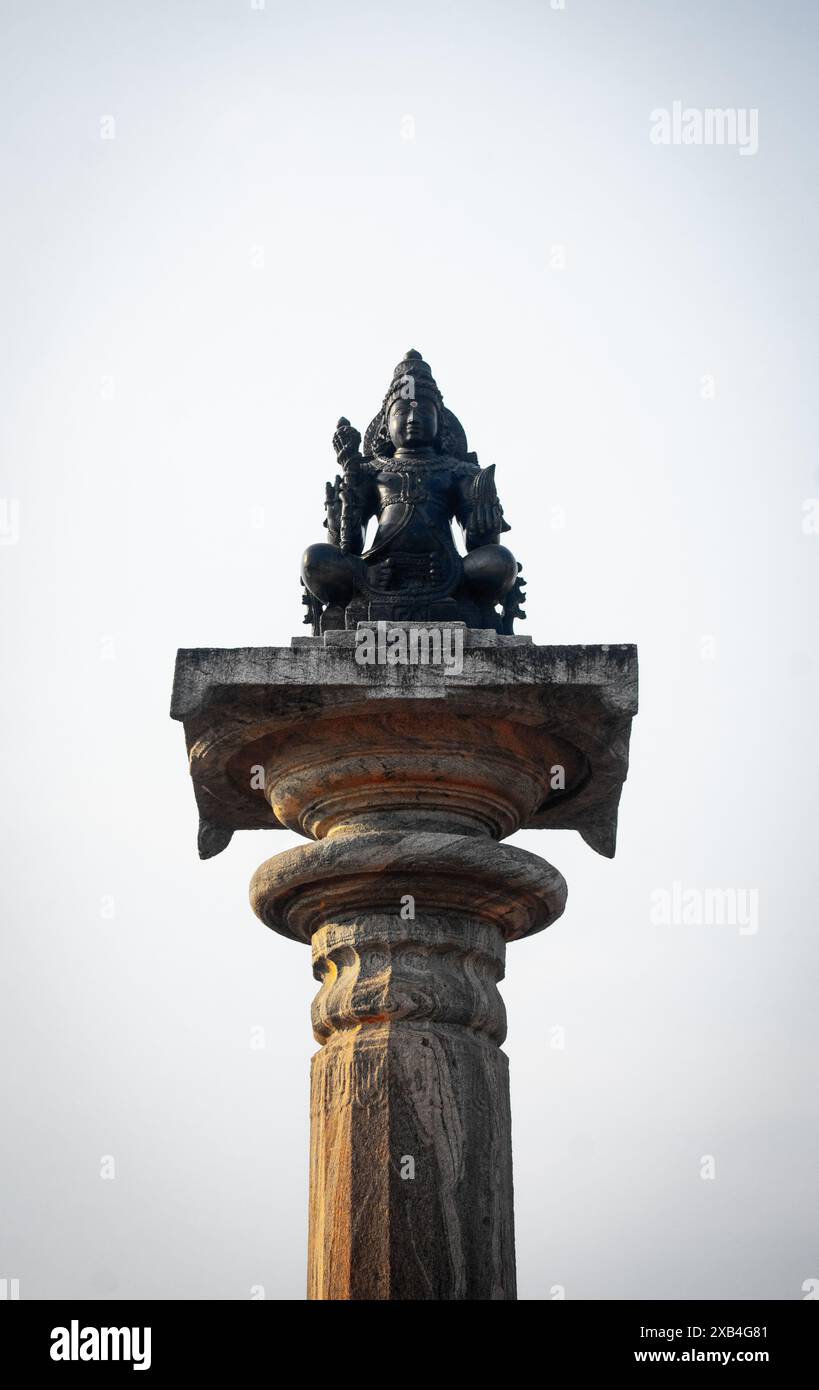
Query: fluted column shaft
{"points": [[411, 1161]]}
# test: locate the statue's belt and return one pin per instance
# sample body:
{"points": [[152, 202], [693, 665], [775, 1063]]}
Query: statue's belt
{"points": [[411, 568]]}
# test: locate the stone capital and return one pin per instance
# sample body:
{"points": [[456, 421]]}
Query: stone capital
{"points": [[258, 720]]}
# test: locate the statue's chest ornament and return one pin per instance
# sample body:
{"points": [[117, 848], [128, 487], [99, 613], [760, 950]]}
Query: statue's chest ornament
{"points": [[412, 488]]}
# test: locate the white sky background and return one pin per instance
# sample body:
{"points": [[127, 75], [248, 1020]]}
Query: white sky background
{"points": [[160, 388]]}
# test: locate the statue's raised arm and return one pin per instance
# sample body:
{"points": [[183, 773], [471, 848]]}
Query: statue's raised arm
{"points": [[349, 501]]}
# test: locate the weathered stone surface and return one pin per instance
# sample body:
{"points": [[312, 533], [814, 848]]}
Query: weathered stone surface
{"points": [[232, 701], [405, 779], [411, 1166], [363, 869]]}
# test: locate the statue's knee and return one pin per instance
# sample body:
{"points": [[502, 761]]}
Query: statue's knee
{"points": [[507, 568], [328, 573], [490, 571], [316, 562]]}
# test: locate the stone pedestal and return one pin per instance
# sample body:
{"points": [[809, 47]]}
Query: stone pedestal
{"points": [[406, 778]]}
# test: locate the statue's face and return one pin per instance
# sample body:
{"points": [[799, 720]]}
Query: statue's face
{"points": [[412, 424]]}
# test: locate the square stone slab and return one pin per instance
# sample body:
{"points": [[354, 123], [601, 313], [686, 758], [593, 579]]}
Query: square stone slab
{"points": [[230, 698]]}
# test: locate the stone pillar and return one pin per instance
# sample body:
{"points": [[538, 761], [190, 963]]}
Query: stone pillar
{"points": [[410, 1153], [405, 782]]}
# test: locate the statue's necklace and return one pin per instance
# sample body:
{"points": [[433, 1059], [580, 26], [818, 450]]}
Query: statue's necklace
{"points": [[407, 464]]}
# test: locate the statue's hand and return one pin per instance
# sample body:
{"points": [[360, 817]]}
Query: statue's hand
{"points": [[346, 442], [332, 506], [486, 520]]}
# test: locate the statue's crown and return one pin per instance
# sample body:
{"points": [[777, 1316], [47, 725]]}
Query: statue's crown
{"points": [[412, 378]]}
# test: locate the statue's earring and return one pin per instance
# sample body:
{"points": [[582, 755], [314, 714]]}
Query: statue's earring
{"points": [[383, 444]]}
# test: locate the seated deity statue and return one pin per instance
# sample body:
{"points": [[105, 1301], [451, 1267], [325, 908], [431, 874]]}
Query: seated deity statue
{"points": [[415, 477]]}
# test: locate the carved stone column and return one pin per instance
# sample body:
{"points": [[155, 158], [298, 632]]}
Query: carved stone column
{"points": [[406, 780], [411, 1162], [411, 1158]]}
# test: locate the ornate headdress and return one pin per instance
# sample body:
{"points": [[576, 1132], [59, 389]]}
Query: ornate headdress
{"points": [[413, 378]]}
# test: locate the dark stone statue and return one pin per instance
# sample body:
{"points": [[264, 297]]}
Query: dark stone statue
{"points": [[415, 476]]}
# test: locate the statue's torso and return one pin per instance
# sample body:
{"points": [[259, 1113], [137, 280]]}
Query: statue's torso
{"points": [[416, 504]]}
